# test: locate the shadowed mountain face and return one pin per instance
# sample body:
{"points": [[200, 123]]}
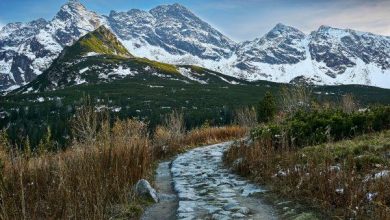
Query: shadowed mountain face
{"points": [[173, 34]]}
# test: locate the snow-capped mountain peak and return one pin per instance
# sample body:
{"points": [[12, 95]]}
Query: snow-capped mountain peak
{"points": [[73, 21], [27, 49], [342, 49], [172, 10], [327, 56], [283, 30], [281, 45], [170, 33], [173, 34]]}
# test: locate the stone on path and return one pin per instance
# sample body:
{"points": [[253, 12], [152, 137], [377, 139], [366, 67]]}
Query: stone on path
{"points": [[145, 190]]}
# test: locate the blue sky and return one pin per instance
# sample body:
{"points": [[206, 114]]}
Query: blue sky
{"points": [[238, 19]]}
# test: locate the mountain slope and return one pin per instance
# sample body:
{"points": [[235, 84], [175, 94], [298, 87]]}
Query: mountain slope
{"points": [[100, 41], [99, 57], [173, 34], [341, 49]]}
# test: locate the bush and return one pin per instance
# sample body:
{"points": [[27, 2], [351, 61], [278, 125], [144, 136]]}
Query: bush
{"points": [[310, 128]]}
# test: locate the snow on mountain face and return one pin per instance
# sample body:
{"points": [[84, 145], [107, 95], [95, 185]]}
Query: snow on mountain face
{"points": [[339, 49], [72, 22], [27, 49], [169, 32], [282, 45], [326, 56], [173, 34]]}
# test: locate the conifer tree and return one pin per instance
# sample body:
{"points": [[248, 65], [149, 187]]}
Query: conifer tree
{"points": [[266, 109]]}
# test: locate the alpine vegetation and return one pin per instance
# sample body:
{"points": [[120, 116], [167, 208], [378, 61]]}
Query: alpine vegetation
{"points": [[331, 159]]}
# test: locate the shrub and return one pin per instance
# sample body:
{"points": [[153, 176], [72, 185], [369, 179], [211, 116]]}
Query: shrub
{"points": [[85, 122], [83, 181], [315, 127]]}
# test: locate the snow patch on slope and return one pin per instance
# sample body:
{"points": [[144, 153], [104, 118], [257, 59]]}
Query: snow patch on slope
{"points": [[188, 73]]}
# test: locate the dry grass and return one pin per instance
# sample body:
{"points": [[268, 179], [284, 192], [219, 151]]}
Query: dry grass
{"points": [[80, 183], [295, 98], [341, 179], [171, 137], [349, 103], [212, 135], [246, 117], [93, 179]]}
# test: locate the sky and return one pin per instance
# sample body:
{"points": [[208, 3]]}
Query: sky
{"points": [[238, 19]]}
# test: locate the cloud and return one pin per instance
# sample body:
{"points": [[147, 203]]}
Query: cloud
{"points": [[366, 17]]}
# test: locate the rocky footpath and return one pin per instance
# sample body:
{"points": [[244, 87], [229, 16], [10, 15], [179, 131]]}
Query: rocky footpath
{"points": [[207, 190], [196, 185]]}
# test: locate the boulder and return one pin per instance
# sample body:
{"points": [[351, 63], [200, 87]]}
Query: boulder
{"points": [[144, 190]]}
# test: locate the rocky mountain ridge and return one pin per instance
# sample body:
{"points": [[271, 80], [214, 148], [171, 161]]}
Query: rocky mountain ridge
{"points": [[173, 34]]}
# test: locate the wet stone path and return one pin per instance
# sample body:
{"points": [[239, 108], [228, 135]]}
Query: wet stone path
{"points": [[207, 190]]}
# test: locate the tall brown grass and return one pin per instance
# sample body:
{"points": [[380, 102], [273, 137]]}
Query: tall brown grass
{"points": [[298, 97], [90, 178], [80, 183], [246, 117], [349, 103], [171, 137]]}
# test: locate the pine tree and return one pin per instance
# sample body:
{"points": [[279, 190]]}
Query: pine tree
{"points": [[266, 109]]}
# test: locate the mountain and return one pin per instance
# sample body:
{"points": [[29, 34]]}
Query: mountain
{"points": [[27, 49], [283, 45], [99, 57], [341, 49], [328, 56], [173, 34], [170, 33]]}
